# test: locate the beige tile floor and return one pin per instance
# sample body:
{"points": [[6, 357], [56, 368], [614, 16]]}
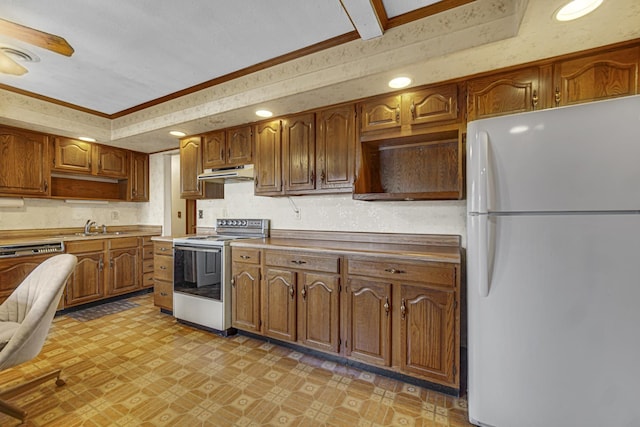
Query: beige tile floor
{"points": [[140, 367]]}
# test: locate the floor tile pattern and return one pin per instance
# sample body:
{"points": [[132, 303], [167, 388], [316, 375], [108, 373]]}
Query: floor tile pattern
{"points": [[139, 367]]}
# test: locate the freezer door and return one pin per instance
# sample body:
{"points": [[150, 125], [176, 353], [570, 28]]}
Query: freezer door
{"points": [[576, 158], [555, 341]]}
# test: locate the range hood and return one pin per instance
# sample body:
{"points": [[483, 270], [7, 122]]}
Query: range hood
{"points": [[232, 174]]}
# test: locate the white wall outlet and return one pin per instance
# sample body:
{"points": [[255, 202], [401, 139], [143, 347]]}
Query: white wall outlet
{"points": [[115, 215], [200, 214]]}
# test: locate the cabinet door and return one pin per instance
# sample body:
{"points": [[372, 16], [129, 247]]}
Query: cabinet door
{"points": [[240, 146], [601, 76], [268, 161], [245, 297], [380, 113], [71, 155], [336, 148], [214, 150], [190, 167], [24, 163], [428, 326], [507, 93], [298, 153], [280, 304], [87, 280], [112, 161], [14, 270], [163, 294], [123, 271], [139, 178], [319, 311], [432, 105], [369, 321]]}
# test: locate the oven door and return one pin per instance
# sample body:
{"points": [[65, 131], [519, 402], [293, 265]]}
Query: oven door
{"points": [[198, 271]]}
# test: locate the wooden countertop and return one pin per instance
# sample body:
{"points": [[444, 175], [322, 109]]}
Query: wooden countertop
{"points": [[348, 244], [48, 235]]}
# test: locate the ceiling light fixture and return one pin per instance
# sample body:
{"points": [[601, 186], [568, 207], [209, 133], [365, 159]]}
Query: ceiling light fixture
{"points": [[576, 9], [264, 113], [86, 139], [399, 82], [177, 133]]}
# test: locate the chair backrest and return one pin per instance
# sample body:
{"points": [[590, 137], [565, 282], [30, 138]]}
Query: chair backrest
{"points": [[32, 305]]}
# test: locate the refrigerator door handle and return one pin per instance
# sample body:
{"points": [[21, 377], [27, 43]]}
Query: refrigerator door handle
{"points": [[479, 231], [483, 171]]}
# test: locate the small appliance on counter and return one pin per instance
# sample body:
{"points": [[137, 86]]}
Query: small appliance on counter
{"points": [[202, 273]]}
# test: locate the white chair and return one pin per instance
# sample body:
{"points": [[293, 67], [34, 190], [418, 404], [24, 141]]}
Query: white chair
{"points": [[25, 319]]}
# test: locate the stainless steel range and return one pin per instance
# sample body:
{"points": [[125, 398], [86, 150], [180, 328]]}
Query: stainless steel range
{"points": [[202, 273]]}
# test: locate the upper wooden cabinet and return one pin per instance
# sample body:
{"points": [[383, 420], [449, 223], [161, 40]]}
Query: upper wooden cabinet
{"points": [[111, 161], [596, 77], [404, 114], [190, 168], [586, 78], [336, 148], [268, 159], [226, 148], [70, 155], [299, 153], [314, 153], [139, 177], [79, 157], [506, 93], [24, 165]]}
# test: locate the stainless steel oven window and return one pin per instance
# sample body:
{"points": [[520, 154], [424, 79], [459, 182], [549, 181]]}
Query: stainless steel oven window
{"points": [[198, 271]]}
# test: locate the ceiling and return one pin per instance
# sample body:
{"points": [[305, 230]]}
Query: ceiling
{"points": [[141, 68]]}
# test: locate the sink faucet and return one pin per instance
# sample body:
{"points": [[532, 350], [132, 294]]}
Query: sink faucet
{"points": [[88, 225]]}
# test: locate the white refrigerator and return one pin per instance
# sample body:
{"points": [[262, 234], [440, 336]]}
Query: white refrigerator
{"points": [[553, 267]]}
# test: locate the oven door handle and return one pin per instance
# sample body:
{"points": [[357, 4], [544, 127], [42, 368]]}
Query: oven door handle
{"points": [[197, 249]]}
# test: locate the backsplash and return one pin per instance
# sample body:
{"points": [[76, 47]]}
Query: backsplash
{"points": [[336, 212]]}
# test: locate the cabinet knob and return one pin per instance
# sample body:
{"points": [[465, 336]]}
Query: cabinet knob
{"points": [[298, 262], [163, 294], [534, 99], [233, 282], [245, 256], [403, 309], [304, 293], [557, 96], [291, 291], [393, 271], [386, 305], [162, 267]]}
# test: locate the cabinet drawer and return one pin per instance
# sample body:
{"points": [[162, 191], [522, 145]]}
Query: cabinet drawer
{"points": [[147, 252], [163, 294], [163, 268], [419, 272], [327, 263], [147, 280], [123, 242], [147, 266], [146, 241], [163, 248], [85, 246], [248, 256]]}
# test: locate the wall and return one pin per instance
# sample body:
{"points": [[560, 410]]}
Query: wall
{"points": [[336, 212]]}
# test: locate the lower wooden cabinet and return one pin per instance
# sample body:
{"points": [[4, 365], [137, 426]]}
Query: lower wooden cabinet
{"points": [[398, 314], [87, 282], [146, 262], [245, 289], [14, 270], [123, 266], [368, 321], [163, 275]]}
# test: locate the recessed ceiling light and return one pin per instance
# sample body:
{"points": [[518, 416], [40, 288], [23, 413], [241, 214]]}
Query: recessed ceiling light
{"points": [[264, 113], [577, 9], [399, 82], [177, 133], [86, 139]]}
